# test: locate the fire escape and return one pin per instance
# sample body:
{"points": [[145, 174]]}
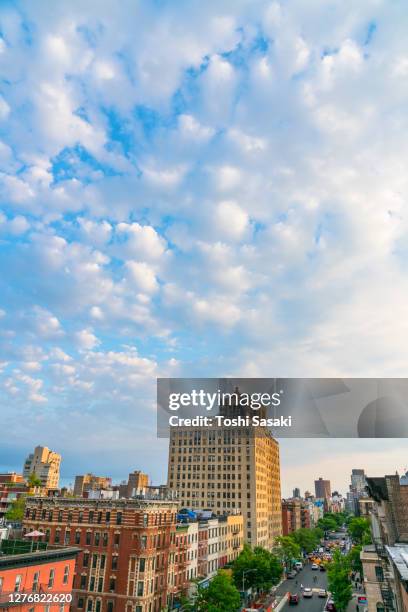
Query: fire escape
{"points": [[384, 577]]}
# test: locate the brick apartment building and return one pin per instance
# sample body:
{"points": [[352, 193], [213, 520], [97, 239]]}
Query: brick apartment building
{"points": [[295, 515], [127, 561], [43, 572]]}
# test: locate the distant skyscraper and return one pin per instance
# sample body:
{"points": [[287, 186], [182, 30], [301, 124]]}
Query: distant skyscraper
{"points": [[296, 492], [322, 489], [45, 464], [358, 481]]}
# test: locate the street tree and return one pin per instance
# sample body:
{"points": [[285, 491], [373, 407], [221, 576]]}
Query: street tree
{"points": [[262, 569], [286, 550], [354, 558], [359, 529], [221, 595], [307, 539], [339, 583]]}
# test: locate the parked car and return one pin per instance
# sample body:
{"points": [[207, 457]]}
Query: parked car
{"points": [[322, 593], [293, 599], [292, 574], [362, 600], [298, 565], [315, 566], [330, 607], [307, 592], [322, 568]]}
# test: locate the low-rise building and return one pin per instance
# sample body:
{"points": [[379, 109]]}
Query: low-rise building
{"points": [[38, 573]]}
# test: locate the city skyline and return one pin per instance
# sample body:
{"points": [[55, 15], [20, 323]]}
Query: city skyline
{"points": [[368, 457]]}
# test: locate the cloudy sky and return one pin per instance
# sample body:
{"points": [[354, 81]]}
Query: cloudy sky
{"points": [[196, 188]]}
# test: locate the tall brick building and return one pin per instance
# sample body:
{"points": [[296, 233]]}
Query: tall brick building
{"points": [[128, 549], [229, 470]]}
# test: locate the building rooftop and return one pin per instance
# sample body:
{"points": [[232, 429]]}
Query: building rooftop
{"points": [[101, 502], [19, 553], [399, 556]]}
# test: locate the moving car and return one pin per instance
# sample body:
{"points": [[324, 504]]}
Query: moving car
{"points": [[293, 599], [322, 568], [292, 574], [298, 565], [322, 593], [307, 592], [315, 566]]}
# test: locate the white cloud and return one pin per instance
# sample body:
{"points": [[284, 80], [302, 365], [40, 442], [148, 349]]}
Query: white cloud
{"points": [[143, 276], [86, 339], [231, 221]]}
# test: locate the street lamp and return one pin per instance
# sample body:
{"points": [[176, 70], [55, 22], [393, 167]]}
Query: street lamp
{"points": [[247, 571]]}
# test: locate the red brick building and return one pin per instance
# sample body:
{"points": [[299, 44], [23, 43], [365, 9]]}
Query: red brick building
{"points": [[128, 547], [36, 575]]}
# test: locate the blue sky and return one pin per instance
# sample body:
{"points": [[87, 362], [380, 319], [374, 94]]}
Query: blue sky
{"points": [[192, 188]]}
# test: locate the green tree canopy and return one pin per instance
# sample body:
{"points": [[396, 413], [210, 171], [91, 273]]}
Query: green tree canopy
{"points": [[286, 549], [34, 481], [307, 539], [16, 511], [338, 574], [354, 558], [221, 595], [262, 569], [359, 529]]}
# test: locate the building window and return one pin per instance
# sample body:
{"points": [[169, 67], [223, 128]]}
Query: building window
{"points": [[80, 603], [51, 578], [97, 538], [98, 605], [83, 583], [100, 585], [94, 561], [89, 606], [142, 564], [85, 560], [115, 562], [116, 539], [140, 586], [91, 518], [66, 574], [102, 564], [80, 520], [77, 537], [109, 607], [92, 583], [88, 538], [379, 573], [119, 518], [112, 584], [108, 521], [17, 583], [60, 516], [105, 539], [36, 579]]}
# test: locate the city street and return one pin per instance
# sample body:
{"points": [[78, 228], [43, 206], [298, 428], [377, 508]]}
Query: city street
{"points": [[305, 577]]}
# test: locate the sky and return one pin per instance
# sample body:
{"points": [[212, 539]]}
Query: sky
{"points": [[197, 189]]}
